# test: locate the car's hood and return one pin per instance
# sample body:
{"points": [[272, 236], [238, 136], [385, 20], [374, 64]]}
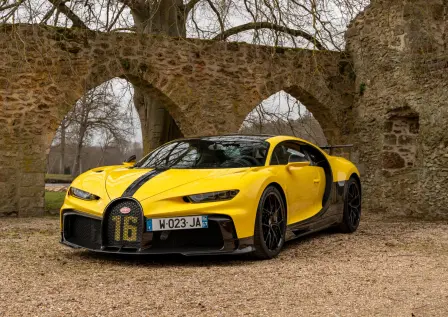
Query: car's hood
{"points": [[118, 180]]}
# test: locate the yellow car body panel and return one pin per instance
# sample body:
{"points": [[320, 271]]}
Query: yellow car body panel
{"points": [[164, 195]]}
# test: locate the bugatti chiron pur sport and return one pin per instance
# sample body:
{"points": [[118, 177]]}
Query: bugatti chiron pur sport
{"points": [[213, 195]]}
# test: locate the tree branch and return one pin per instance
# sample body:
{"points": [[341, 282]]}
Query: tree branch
{"points": [[189, 6], [116, 18], [12, 5], [11, 13], [221, 22], [268, 25], [48, 15], [61, 7]]}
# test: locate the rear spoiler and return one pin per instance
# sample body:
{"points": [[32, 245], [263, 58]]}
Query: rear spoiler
{"points": [[331, 147]]}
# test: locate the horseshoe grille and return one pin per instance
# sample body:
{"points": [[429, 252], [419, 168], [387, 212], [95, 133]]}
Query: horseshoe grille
{"points": [[123, 224]]}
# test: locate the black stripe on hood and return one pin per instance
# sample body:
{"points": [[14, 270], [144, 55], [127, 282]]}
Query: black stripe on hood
{"points": [[139, 182]]}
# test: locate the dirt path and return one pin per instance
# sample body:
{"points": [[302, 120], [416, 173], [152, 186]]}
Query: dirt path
{"points": [[387, 268]]}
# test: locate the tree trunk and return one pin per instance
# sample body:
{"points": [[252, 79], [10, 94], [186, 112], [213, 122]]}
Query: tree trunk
{"points": [[157, 124], [76, 164], [82, 132], [62, 157], [165, 17]]}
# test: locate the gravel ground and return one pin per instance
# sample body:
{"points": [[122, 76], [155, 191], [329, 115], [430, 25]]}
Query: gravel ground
{"points": [[387, 268]]}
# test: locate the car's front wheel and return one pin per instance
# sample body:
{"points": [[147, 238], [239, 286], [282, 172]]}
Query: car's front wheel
{"points": [[270, 224]]}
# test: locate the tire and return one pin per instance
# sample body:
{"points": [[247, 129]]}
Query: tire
{"points": [[352, 206], [270, 224]]}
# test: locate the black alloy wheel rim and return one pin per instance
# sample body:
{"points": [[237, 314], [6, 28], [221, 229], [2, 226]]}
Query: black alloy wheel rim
{"points": [[354, 204], [272, 222]]}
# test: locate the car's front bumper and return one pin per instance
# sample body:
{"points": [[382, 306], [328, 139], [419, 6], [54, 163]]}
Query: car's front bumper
{"points": [[81, 230]]}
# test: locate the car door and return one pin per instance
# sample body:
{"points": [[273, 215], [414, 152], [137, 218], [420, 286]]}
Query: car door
{"points": [[302, 184], [320, 179]]}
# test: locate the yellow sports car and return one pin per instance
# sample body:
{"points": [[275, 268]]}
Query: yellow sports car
{"points": [[212, 195]]}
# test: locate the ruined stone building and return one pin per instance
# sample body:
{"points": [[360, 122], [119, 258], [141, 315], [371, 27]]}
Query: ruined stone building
{"points": [[387, 94]]}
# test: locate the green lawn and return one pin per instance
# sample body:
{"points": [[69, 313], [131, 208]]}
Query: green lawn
{"points": [[54, 201], [58, 178]]}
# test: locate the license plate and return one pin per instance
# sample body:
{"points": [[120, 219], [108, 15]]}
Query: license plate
{"points": [[176, 223]]}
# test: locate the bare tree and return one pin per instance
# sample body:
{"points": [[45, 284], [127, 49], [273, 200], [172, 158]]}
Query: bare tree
{"points": [[60, 140], [98, 113], [317, 24], [108, 140]]}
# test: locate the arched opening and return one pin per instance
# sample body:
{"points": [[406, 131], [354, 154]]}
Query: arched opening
{"points": [[100, 129], [29, 142], [282, 114], [104, 127]]}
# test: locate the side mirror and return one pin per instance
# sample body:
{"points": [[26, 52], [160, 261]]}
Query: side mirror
{"points": [[297, 161], [130, 161]]}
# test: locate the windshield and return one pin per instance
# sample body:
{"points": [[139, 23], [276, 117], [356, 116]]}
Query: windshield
{"points": [[218, 152]]}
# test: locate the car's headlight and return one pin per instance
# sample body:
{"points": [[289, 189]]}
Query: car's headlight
{"points": [[78, 193], [213, 196]]}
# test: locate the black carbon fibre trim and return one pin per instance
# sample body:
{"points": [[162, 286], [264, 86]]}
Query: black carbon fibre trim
{"points": [[130, 191]]}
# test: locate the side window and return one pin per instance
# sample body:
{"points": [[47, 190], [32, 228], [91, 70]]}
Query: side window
{"points": [[313, 155], [282, 151], [279, 156]]}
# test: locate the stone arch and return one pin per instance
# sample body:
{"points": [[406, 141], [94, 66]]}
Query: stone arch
{"points": [[117, 92], [316, 98], [208, 87], [322, 112], [282, 113], [40, 87], [95, 80]]}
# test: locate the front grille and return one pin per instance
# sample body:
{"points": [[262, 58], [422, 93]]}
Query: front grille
{"points": [[123, 224], [82, 231], [130, 236], [208, 238]]}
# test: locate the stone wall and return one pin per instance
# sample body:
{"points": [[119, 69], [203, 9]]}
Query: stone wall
{"points": [[399, 151], [400, 56], [208, 87]]}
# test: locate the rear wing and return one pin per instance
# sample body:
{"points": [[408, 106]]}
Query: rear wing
{"points": [[331, 147]]}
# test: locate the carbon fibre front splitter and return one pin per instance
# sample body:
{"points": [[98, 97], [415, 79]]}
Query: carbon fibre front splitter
{"points": [[244, 248]]}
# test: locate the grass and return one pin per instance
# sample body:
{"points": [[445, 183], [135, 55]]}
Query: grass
{"points": [[58, 178], [54, 201]]}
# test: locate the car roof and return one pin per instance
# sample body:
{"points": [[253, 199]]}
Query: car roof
{"points": [[229, 137], [250, 137], [272, 139], [281, 138]]}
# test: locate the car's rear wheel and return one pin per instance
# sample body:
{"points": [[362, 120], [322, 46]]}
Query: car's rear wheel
{"points": [[352, 206], [270, 224]]}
